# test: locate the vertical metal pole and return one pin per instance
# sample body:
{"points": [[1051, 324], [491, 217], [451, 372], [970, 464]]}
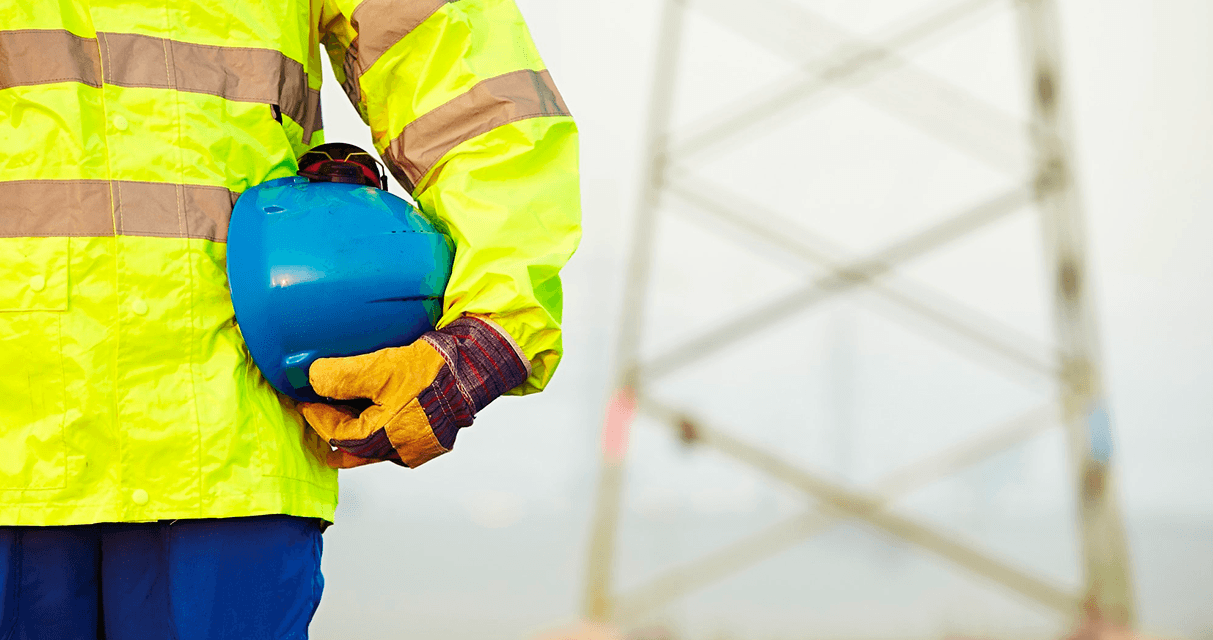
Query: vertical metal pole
{"points": [[1108, 593], [599, 604]]}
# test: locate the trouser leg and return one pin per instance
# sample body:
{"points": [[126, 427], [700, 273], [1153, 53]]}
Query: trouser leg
{"points": [[247, 578], [50, 583], [134, 582], [8, 581]]}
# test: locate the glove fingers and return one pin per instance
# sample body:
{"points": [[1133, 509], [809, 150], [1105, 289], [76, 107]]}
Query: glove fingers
{"points": [[340, 459], [363, 376], [332, 423], [362, 435]]}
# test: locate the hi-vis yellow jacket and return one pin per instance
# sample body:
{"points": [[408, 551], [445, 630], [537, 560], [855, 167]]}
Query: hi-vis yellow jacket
{"points": [[127, 130]]}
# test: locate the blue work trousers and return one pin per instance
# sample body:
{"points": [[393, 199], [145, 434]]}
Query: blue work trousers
{"points": [[247, 578]]}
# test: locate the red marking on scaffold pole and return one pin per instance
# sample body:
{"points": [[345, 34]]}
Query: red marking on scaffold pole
{"points": [[621, 410]]}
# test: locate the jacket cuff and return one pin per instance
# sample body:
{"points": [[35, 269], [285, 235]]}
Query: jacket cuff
{"points": [[482, 363]]}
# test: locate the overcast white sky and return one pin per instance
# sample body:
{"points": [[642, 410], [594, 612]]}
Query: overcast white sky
{"points": [[500, 524]]}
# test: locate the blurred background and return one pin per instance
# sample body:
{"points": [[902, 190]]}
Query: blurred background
{"points": [[494, 541]]}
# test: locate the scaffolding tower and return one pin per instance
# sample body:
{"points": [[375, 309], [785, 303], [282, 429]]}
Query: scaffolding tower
{"points": [[840, 60]]}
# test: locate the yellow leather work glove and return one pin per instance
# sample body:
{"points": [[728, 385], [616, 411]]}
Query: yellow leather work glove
{"points": [[421, 394]]}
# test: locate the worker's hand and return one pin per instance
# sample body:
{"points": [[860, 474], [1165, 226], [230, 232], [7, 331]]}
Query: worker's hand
{"points": [[340, 459], [421, 394]]}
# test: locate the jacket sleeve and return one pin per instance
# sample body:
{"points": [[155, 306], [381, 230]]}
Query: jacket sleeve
{"points": [[468, 119]]}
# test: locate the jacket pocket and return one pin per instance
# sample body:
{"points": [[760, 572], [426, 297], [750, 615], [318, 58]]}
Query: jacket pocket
{"points": [[33, 297], [34, 277]]}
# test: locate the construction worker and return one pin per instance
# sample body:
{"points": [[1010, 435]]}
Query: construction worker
{"points": [[152, 483]]}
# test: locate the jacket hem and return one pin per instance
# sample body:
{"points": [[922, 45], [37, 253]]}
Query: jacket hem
{"points": [[309, 502]]}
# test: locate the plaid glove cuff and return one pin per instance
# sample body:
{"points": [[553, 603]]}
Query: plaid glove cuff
{"points": [[482, 363]]}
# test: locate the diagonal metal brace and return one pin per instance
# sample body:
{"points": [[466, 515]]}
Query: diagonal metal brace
{"points": [[778, 232], [843, 502], [837, 59], [743, 553], [843, 279]]}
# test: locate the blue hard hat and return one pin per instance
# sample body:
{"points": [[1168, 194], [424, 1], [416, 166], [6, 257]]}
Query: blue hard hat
{"points": [[330, 269]]}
